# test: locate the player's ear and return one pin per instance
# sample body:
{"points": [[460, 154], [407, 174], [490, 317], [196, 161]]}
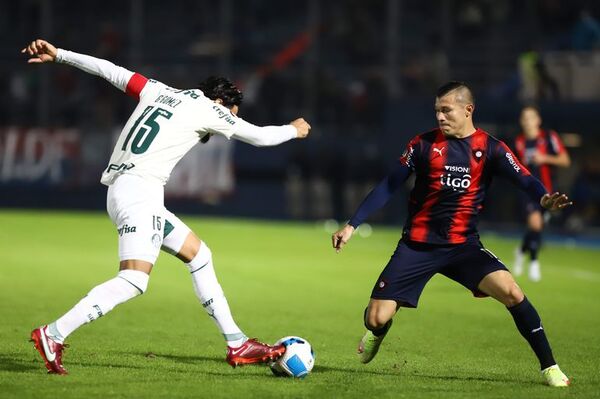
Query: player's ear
{"points": [[469, 108]]}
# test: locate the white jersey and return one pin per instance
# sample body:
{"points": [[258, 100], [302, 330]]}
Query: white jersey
{"points": [[167, 122]]}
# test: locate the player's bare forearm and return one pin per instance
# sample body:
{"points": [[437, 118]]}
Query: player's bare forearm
{"points": [[555, 201], [40, 51], [561, 160]]}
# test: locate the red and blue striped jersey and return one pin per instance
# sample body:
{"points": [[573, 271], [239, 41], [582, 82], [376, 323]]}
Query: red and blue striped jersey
{"points": [[452, 176], [547, 142]]}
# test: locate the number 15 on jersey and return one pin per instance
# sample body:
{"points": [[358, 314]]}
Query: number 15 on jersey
{"points": [[145, 128]]}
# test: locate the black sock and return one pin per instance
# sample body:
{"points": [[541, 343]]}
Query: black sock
{"points": [[535, 243], [526, 244], [530, 326], [380, 331]]}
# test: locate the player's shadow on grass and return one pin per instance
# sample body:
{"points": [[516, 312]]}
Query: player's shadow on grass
{"points": [[328, 369], [416, 374], [189, 359], [177, 358], [19, 365], [472, 378]]}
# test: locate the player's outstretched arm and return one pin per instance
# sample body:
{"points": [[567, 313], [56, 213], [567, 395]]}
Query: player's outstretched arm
{"points": [[377, 198], [341, 237], [555, 201], [41, 51], [271, 135]]}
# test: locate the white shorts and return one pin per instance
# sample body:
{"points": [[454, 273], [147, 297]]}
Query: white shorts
{"points": [[136, 207]]}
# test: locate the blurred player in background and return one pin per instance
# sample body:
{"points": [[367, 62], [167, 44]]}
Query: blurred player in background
{"points": [[454, 165], [165, 125], [540, 151]]}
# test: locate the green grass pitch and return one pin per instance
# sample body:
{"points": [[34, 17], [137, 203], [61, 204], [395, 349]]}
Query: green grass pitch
{"points": [[280, 279]]}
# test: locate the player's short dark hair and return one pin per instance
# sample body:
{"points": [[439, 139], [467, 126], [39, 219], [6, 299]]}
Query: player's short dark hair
{"points": [[454, 85], [215, 87], [532, 107]]}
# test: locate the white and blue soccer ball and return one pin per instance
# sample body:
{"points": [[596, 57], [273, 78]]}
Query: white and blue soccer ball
{"points": [[298, 359]]}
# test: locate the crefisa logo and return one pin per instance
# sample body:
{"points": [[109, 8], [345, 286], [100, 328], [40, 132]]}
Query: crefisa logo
{"points": [[457, 183]]}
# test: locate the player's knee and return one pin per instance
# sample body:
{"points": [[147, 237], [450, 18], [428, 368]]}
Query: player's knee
{"points": [[376, 319], [136, 278], [513, 295], [202, 257]]}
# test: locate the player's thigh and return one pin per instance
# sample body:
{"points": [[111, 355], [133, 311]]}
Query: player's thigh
{"points": [[501, 286], [535, 220], [140, 232], [136, 208], [407, 272], [468, 264]]}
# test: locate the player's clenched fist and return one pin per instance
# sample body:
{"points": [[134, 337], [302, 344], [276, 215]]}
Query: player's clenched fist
{"points": [[40, 51], [302, 127]]}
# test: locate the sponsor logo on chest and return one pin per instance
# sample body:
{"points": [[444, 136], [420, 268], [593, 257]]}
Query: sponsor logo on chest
{"points": [[458, 178]]}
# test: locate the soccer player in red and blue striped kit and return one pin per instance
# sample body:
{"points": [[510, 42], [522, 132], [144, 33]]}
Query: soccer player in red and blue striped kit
{"points": [[454, 165], [540, 151]]}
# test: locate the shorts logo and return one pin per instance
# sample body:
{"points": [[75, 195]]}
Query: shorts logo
{"points": [[157, 240], [126, 229], [381, 284]]}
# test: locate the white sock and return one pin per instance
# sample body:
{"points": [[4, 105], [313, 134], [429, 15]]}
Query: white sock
{"points": [[211, 296], [99, 301]]}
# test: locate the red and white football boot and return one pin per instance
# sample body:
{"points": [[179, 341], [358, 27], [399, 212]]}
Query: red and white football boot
{"points": [[253, 351], [50, 350]]}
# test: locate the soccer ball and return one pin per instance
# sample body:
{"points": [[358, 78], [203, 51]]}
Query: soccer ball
{"points": [[298, 359]]}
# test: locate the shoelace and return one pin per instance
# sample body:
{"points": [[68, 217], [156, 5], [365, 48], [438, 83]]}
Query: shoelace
{"points": [[257, 341]]}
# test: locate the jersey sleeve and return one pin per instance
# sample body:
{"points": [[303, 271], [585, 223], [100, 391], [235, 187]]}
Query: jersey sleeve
{"points": [[125, 80], [412, 152], [506, 164], [555, 143], [220, 120]]}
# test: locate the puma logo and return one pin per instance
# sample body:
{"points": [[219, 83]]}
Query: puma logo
{"points": [[439, 150], [540, 328]]}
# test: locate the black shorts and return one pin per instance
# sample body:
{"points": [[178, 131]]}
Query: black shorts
{"points": [[413, 264]]}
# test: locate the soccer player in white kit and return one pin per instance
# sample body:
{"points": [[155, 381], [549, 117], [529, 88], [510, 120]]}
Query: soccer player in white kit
{"points": [[165, 125]]}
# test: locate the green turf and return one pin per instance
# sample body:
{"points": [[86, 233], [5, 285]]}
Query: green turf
{"points": [[280, 279]]}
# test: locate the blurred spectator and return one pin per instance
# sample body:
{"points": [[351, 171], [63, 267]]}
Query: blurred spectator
{"points": [[536, 83], [586, 32], [586, 196]]}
